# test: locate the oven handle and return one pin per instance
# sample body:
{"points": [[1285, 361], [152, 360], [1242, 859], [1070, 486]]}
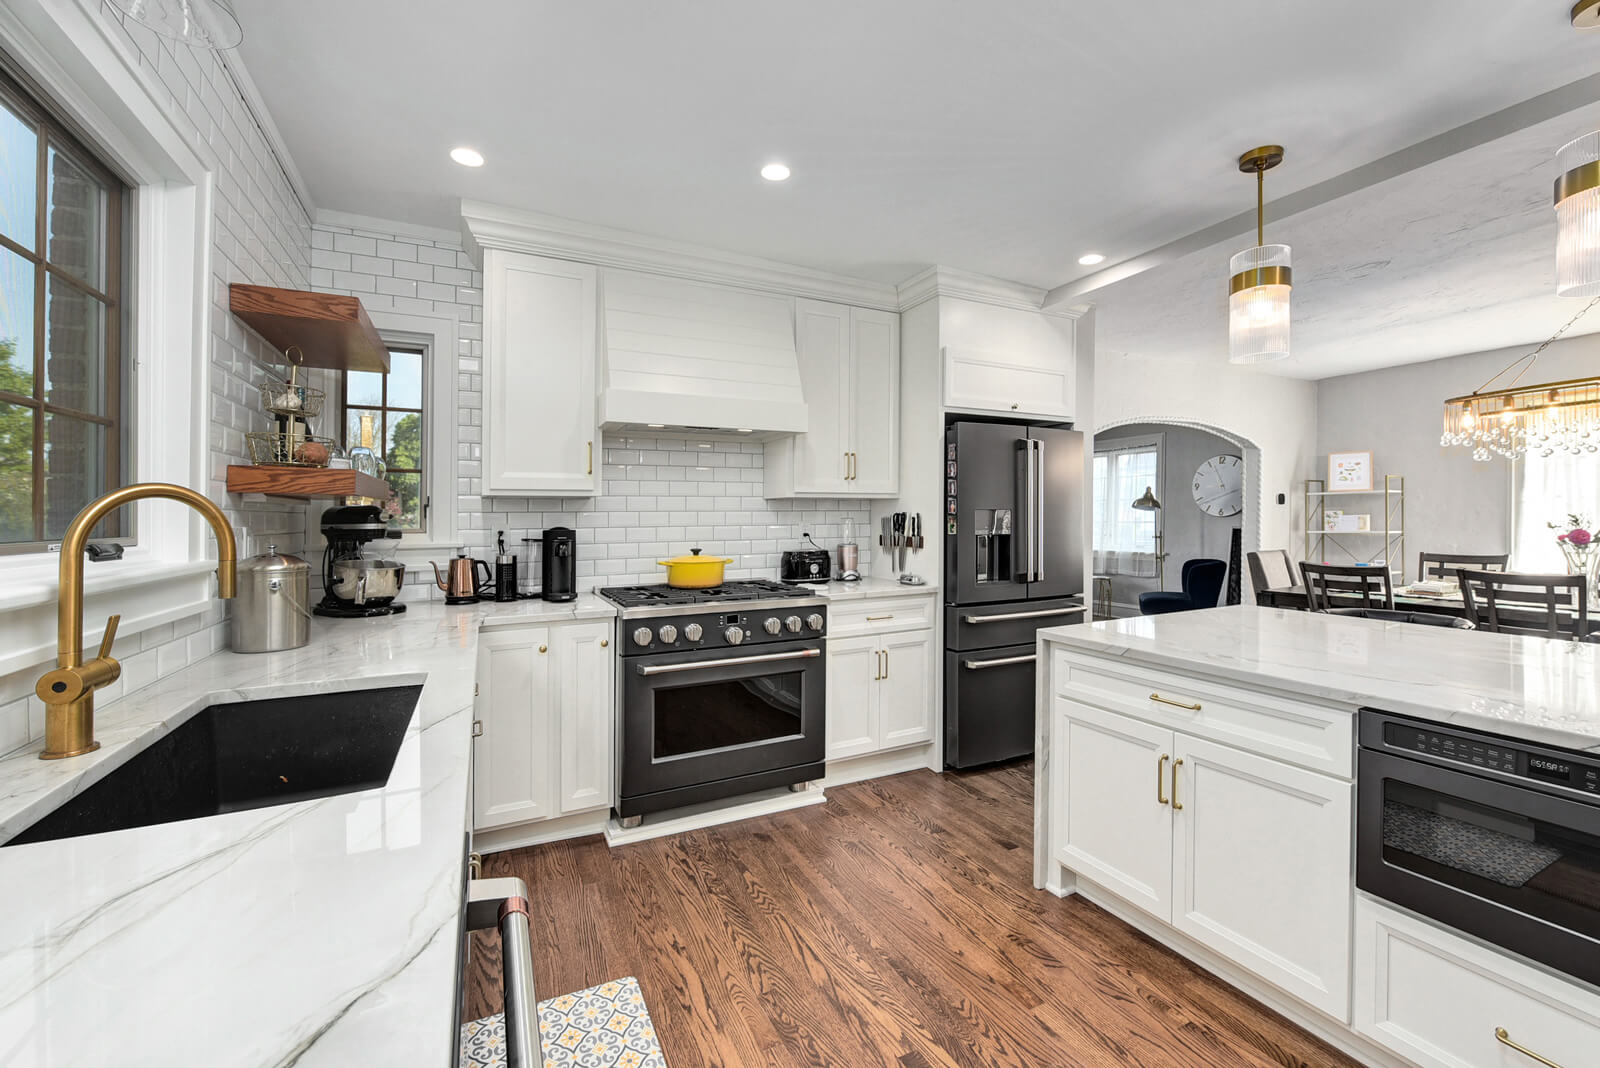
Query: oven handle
{"points": [[704, 665], [979, 665], [503, 903]]}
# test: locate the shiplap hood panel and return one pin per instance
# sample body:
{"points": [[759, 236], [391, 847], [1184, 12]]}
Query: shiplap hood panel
{"points": [[691, 354]]}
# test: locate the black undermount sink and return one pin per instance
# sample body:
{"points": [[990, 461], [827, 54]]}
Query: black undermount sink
{"points": [[253, 754]]}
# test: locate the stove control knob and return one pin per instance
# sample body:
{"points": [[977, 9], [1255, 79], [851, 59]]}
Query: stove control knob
{"points": [[668, 634], [814, 621], [793, 623], [641, 636], [773, 625], [693, 632], [733, 635]]}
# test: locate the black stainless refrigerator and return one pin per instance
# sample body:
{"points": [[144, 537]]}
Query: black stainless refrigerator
{"points": [[1014, 522]]}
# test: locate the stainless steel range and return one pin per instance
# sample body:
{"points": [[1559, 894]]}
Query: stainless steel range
{"points": [[720, 692]]}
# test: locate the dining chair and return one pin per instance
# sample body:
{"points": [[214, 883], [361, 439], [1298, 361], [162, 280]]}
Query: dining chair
{"points": [[1548, 606], [1340, 585], [1270, 569], [1202, 586], [1443, 565]]}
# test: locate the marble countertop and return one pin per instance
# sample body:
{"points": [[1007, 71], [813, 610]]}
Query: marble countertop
{"points": [[317, 933], [873, 588], [1534, 689]]}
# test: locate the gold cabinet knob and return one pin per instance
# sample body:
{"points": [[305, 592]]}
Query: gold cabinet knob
{"points": [[543, 648], [604, 642]]}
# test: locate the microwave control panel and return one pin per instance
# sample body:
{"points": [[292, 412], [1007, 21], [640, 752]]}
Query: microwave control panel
{"points": [[1496, 755]]}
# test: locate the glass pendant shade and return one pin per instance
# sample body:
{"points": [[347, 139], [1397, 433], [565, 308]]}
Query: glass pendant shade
{"points": [[1578, 218], [199, 23], [1258, 305]]}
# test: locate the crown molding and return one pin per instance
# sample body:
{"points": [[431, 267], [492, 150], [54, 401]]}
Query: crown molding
{"points": [[393, 227], [965, 285], [495, 226]]}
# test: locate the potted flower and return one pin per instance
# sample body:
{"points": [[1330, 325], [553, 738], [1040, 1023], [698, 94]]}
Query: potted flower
{"points": [[1577, 543]]}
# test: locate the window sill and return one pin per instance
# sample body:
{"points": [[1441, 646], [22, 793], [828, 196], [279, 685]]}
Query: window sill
{"points": [[38, 584]]}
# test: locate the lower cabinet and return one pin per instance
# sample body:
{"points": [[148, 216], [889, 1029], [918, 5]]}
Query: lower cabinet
{"points": [[1245, 855], [880, 692], [545, 724]]}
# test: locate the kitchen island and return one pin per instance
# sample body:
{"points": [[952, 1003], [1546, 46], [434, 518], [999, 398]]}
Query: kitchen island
{"points": [[1195, 776], [320, 932]]}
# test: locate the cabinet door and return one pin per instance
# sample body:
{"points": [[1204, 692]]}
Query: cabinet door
{"points": [[855, 668], [875, 403], [1115, 829], [585, 676], [540, 431], [1021, 382], [905, 695], [513, 756], [822, 341], [1262, 871]]}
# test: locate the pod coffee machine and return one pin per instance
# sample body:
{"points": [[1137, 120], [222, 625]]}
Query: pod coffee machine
{"points": [[558, 561], [348, 529]]}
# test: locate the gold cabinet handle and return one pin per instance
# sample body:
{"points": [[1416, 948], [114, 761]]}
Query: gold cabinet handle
{"points": [[1177, 806], [590, 469], [1502, 1036], [847, 467], [879, 619], [886, 663], [1161, 779], [1175, 704], [878, 655]]}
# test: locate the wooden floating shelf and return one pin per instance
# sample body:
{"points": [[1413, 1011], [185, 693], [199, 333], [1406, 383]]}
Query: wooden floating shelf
{"points": [[305, 483], [332, 331]]}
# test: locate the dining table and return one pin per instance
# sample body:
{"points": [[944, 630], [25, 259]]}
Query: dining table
{"points": [[1450, 604]]}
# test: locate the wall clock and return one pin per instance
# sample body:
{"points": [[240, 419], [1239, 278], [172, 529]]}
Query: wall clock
{"points": [[1219, 486]]}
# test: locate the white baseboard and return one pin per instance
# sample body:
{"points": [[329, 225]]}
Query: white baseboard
{"points": [[877, 765], [713, 813], [500, 839]]}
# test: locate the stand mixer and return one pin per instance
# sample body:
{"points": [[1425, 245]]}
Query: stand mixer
{"points": [[371, 585]]}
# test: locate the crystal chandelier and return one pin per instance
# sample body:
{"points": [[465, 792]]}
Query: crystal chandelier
{"points": [[1258, 289], [1543, 419]]}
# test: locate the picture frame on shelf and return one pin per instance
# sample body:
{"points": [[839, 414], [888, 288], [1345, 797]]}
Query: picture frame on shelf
{"points": [[1350, 472]]}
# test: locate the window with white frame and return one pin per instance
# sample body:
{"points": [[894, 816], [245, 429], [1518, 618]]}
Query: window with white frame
{"points": [[1552, 488], [387, 414], [1125, 536]]}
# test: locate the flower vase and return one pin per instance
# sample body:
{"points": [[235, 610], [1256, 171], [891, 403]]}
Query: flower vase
{"points": [[1584, 561]]}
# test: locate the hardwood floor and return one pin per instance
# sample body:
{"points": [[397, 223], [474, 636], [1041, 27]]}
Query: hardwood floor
{"points": [[895, 926]]}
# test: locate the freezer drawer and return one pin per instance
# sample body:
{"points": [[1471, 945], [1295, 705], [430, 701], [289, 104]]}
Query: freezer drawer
{"points": [[987, 626], [989, 703]]}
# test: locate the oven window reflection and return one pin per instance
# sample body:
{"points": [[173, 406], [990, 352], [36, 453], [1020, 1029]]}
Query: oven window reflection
{"points": [[721, 715]]}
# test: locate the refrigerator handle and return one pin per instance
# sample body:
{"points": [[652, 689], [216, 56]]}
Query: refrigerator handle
{"points": [[1038, 511], [1027, 521]]}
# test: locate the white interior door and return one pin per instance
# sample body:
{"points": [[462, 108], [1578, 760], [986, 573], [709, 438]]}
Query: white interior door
{"points": [[513, 756]]}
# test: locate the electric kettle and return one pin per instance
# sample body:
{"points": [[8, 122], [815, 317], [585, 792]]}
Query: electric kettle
{"points": [[460, 584]]}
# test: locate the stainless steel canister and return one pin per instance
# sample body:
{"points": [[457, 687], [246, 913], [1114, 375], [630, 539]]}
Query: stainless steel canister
{"points": [[272, 609]]}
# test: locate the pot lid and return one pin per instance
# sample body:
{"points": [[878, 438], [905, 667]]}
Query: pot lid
{"points": [[272, 562], [694, 557]]}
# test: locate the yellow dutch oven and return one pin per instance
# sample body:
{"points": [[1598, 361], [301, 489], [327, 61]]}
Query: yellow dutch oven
{"points": [[694, 572]]}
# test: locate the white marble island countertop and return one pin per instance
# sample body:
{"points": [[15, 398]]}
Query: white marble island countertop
{"points": [[1534, 689], [321, 932]]}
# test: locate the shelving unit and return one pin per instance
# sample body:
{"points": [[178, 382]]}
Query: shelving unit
{"points": [[1391, 549], [328, 330], [305, 483]]}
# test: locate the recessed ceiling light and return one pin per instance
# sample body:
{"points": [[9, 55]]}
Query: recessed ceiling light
{"points": [[775, 172], [656, 426], [1089, 259], [467, 157], [743, 431]]}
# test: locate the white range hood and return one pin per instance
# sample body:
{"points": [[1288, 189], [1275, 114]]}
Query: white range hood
{"points": [[693, 356]]}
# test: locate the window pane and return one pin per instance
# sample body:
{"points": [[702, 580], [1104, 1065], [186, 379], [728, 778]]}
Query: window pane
{"points": [[16, 473], [77, 221], [19, 178], [16, 323], [75, 348], [363, 388], [363, 427], [408, 491], [74, 469], [405, 379], [405, 441]]}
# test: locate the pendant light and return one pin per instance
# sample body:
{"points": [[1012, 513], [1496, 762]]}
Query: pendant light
{"points": [[1258, 291], [1578, 197], [197, 23]]}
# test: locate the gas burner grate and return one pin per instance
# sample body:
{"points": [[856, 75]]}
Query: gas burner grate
{"points": [[662, 594]]}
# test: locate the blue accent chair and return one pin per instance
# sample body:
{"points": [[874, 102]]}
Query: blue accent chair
{"points": [[1202, 586]]}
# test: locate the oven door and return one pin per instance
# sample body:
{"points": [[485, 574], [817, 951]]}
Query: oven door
{"points": [[1514, 866], [695, 718]]}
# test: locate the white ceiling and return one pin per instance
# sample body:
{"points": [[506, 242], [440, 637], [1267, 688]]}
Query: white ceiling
{"points": [[999, 138]]}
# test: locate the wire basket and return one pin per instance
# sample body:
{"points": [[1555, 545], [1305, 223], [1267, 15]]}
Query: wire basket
{"points": [[278, 448], [292, 399]]}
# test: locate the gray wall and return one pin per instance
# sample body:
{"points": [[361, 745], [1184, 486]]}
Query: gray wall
{"points": [[1189, 532], [1453, 503]]}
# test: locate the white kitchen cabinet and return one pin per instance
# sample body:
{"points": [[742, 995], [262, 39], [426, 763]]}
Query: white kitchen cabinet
{"points": [[880, 692], [1024, 381], [540, 432], [545, 731], [1244, 854], [850, 378]]}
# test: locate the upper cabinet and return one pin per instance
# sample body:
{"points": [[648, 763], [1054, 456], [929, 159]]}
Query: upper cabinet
{"points": [[1022, 382], [850, 376], [541, 436]]}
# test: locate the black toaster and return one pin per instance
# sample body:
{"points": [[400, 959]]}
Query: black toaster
{"points": [[805, 565]]}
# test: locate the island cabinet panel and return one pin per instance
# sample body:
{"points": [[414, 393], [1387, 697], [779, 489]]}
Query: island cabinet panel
{"points": [[1115, 815], [1438, 1000], [1262, 868]]}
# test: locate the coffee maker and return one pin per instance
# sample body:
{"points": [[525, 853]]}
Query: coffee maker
{"points": [[559, 564], [347, 529]]}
